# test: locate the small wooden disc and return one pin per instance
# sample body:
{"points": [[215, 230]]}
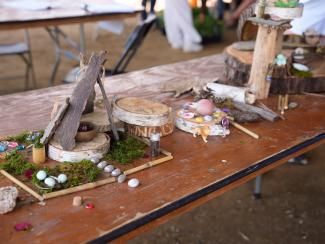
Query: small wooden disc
{"points": [[95, 148], [139, 111]]}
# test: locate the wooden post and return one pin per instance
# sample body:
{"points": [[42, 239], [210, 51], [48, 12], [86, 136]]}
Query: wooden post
{"points": [[268, 45]]}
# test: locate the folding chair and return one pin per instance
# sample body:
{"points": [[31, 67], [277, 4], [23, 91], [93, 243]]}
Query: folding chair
{"points": [[23, 50], [132, 44]]}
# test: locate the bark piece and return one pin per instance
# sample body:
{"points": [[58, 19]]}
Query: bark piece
{"points": [[55, 121], [68, 128], [266, 114]]}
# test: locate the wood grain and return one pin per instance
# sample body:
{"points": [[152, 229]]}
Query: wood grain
{"points": [[195, 169]]}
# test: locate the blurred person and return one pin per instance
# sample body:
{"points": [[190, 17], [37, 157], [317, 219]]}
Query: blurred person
{"points": [[144, 13], [179, 26]]}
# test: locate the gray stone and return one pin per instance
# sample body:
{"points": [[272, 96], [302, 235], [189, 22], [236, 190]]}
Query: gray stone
{"points": [[8, 197]]}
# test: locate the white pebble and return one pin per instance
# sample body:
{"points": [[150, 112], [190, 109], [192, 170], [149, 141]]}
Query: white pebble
{"points": [[94, 160], [133, 183], [62, 178], [50, 182], [121, 178], [116, 172], [102, 164], [41, 175], [109, 168]]}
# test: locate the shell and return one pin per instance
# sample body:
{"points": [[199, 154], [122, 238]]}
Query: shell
{"points": [[133, 183], [62, 178], [116, 172], [102, 164], [109, 168], [50, 182], [41, 175], [121, 178]]}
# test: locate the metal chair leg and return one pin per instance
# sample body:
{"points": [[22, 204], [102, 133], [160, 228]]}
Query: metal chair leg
{"points": [[258, 187]]}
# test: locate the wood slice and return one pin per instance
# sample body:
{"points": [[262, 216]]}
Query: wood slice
{"points": [[139, 111], [99, 119], [146, 131], [95, 148], [190, 126], [284, 13]]}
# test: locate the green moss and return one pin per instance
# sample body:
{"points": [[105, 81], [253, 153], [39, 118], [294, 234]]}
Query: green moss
{"points": [[126, 150], [300, 73], [16, 163], [21, 137], [289, 4]]}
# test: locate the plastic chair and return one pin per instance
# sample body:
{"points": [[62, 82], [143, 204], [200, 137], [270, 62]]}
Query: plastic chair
{"points": [[23, 50]]}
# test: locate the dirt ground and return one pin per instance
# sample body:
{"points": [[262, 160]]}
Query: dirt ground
{"points": [[292, 207]]}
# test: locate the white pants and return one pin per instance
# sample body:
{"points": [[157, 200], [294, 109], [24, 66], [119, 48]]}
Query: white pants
{"points": [[313, 16], [179, 24]]}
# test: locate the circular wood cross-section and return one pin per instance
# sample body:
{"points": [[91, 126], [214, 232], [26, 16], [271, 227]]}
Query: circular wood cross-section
{"points": [[99, 119], [95, 148], [139, 111]]}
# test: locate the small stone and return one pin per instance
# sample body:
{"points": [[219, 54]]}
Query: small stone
{"points": [[94, 160], [50, 182], [62, 178], [109, 168], [41, 175], [77, 201], [102, 164], [121, 178], [8, 196], [133, 183], [116, 172], [293, 105]]}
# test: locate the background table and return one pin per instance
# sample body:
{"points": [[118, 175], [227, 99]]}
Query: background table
{"points": [[197, 173], [69, 12]]}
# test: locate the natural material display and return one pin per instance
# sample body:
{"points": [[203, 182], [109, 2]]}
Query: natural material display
{"points": [[126, 150], [16, 163]]}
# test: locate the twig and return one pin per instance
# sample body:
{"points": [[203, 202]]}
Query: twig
{"points": [[243, 129]]}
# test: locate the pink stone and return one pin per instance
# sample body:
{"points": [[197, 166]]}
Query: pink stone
{"points": [[205, 107]]}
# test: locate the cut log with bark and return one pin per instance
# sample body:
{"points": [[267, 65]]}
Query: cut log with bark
{"points": [[55, 121], [67, 130], [245, 29]]}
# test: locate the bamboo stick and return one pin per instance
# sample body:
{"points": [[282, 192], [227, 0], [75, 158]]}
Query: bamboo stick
{"points": [[286, 101], [87, 186], [22, 185], [148, 165], [243, 129]]}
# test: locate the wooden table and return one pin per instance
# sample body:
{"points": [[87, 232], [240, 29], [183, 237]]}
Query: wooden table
{"points": [[70, 12], [197, 173]]}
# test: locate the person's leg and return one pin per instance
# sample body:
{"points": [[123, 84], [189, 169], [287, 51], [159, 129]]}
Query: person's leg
{"points": [[152, 6], [220, 9], [144, 12], [191, 37], [173, 33]]}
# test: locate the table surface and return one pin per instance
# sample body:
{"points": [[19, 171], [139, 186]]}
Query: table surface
{"points": [[70, 13], [195, 175]]}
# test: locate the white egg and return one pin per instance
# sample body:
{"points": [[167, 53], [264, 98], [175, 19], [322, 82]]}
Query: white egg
{"points": [[50, 182], [109, 168], [62, 178], [41, 175], [133, 183], [94, 160], [116, 172], [102, 164]]}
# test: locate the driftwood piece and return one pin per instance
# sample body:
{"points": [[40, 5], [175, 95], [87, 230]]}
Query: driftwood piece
{"points": [[68, 128], [55, 121], [245, 29], [108, 107], [264, 113], [244, 45]]}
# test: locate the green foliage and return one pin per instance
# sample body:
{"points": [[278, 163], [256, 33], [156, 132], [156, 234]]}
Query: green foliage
{"points": [[300, 73], [16, 163], [127, 150], [21, 137], [210, 27], [78, 173], [289, 4], [38, 144]]}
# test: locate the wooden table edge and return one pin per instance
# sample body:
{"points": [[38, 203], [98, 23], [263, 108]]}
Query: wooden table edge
{"points": [[162, 215]]}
